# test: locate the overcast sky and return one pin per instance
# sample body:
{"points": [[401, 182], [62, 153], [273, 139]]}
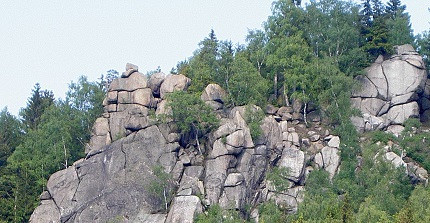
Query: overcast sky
{"points": [[54, 42]]}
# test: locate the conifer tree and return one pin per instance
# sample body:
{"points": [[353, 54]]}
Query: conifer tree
{"points": [[36, 105], [378, 8], [398, 23], [393, 6], [366, 15], [203, 66]]}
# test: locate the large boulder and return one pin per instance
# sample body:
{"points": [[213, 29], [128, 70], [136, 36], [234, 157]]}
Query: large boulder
{"points": [[184, 209], [294, 160], [214, 92], [329, 159], [46, 212], [135, 81], [391, 87], [175, 82], [112, 183]]}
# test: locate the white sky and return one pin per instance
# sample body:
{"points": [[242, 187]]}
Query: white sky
{"points": [[54, 42]]}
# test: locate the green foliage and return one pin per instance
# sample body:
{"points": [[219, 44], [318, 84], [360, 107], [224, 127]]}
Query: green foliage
{"points": [[321, 203], [378, 39], [387, 186], [416, 143], [270, 213], [203, 66], [398, 22], [278, 178], [253, 118], [423, 47], [333, 30], [419, 201], [36, 105], [190, 113], [53, 144], [246, 86], [399, 29], [381, 136], [370, 213], [410, 124], [256, 50], [86, 98], [10, 135], [417, 147], [161, 187], [215, 214]]}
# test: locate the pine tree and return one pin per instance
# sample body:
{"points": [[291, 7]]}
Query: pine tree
{"points": [[378, 8], [36, 105], [366, 14], [398, 23], [203, 66], [393, 6], [423, 42]]}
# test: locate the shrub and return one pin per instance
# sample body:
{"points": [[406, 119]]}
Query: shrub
{"points": [[380, 136], [190, 113], [411, 123], [278, 177], [270, 212], [215, 214], [254, 118], [162, 186], [417, 147]]}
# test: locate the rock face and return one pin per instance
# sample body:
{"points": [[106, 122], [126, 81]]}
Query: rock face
{"points": [[115, 181], [391, 90], [214, 96], [119, 178]]}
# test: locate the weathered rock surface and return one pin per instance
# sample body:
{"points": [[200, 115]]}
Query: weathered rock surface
{"points": [[184, 209], [155, 81], [174, 82], [390, 90], [329, 159], [229, 167], [294, 160], [113, 181]]}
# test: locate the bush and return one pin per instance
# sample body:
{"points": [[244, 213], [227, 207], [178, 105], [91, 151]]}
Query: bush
{"points": [[278, 177], [411, 123], [380, 136], [254, 118], [162, 187], [270, 212], [216, 214], [190, 113], [417, 147]]}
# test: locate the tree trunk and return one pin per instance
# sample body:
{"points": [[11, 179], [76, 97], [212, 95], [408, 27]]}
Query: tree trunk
{"points": [[275, 86], [165, 198], [304, 113], [197, 141]]}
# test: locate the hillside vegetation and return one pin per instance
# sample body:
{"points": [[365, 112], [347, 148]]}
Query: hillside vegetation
{"points": [[306, 53]]}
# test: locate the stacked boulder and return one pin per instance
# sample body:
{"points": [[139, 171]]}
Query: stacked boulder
{"points": [[128, 102], [236, 165], [299, 150], [113, 181], [390, 91], [214, 96]]}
